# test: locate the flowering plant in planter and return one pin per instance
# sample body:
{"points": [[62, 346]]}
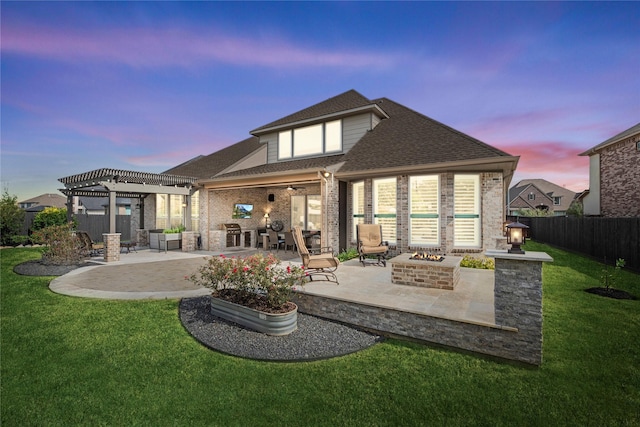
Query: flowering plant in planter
{"points": [[257, 281]]}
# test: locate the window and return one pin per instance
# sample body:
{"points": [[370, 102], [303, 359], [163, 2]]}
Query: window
{"points": [[171, 209], [466, 205], [357, 205], [306, 212], [556, 200], [284, 145], [176, 209], [424, 208], [384, 207], [310, 140], [195, 211], [307, 140], [531, 196], [162, 211]]}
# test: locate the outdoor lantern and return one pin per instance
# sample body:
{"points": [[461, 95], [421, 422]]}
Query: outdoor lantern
{"points": [[516, 237], [266, 219]]}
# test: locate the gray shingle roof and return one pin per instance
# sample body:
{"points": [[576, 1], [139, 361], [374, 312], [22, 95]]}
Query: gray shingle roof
{"points": [[405, 138], [408, 138], [291, 166], [205, 167], [635, 129], [343, 102]]}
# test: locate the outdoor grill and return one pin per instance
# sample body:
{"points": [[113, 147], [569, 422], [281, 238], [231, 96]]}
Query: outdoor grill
{"points": [[233, 234]]}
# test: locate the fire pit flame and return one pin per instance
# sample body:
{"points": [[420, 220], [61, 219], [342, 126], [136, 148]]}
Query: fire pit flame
{"points": [[427, 256]]}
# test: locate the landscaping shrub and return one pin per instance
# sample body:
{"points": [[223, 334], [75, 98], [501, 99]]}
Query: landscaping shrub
{"points": [[50, 216], [348, 254], [62, 247], [483, 263], [11, 219]]}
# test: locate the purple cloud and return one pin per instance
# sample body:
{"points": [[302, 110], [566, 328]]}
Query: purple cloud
{"points": [[147, 47]]}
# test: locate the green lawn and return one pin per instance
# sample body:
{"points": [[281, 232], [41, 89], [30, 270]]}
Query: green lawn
{"points": [[72, 361]]}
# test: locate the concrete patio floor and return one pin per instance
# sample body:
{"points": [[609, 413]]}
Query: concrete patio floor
{"points": [[150, 274]]}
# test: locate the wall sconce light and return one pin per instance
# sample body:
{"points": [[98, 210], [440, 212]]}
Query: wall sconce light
{"points": [[266, 219], [516, 237], [326, 174]]}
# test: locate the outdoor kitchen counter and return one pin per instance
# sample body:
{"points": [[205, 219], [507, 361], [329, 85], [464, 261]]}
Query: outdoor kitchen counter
{"points": [[443, 274]]}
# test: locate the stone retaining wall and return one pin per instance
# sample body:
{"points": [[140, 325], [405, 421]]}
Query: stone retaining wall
{"points": [[516, 334]]}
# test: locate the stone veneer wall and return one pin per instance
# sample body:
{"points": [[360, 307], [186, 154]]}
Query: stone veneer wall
{"points": [[619, 178], [142, 238], [516, 334], [330, 192], [189, 241]]}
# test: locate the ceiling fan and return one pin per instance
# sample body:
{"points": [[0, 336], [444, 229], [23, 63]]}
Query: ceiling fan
{"points": [[292, 188]]}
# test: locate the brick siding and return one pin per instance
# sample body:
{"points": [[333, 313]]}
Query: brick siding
{"points": [[619, 178]]}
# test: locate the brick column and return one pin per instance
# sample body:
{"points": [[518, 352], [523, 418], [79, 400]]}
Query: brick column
{"points": [[518, 299], [188, 241], [111, 246]]}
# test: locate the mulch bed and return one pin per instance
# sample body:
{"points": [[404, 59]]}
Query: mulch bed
{"points": [[610, 293], [37, 268]]}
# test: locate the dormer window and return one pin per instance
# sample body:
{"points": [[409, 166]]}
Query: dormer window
{"points": [[532, 196], [321, 138]]}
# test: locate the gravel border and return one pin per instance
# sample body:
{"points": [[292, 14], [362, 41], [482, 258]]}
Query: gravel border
{"points": [[314, 339], [37, 268]]}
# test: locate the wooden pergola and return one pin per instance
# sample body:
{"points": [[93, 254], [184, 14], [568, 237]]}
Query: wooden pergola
{"points": [[112, 183]]}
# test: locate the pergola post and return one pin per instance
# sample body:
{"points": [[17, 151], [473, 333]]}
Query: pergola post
{"points": [[112, 212], [187, 213]]}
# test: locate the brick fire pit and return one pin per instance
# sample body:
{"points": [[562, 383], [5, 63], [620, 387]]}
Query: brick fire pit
{"points": [[427, 274]]}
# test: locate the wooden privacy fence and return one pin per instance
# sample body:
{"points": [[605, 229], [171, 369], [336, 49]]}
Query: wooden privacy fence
{"points": [[600, 238], [95, 225]]}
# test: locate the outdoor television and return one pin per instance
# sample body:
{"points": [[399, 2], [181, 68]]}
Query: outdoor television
{"points": [[242, 210]]}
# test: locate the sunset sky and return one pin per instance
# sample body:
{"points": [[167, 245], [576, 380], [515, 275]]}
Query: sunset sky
{"points": [[147, 85]]}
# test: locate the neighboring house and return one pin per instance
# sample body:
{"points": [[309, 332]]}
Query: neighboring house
{"points": [[614, 174], [44, 201], [100, 206], [344, 161], [539, 194]]}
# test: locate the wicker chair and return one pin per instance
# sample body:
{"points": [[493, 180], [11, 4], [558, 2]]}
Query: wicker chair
{"points": [[322, 264], [370, 244]]}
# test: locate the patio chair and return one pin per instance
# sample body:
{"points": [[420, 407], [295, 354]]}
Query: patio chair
{"points": [[275, 240], [289, 241], [370, 243], [88, 246], [321, 264]]}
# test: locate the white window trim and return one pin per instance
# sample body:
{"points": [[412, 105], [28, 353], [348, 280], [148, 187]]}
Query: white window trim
{"points": [[290, 142], [357, 217], [392, 240], [477, 240], [430, 215]]}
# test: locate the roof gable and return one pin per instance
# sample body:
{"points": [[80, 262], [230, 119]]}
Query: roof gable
{"points": [[350, 100]]}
